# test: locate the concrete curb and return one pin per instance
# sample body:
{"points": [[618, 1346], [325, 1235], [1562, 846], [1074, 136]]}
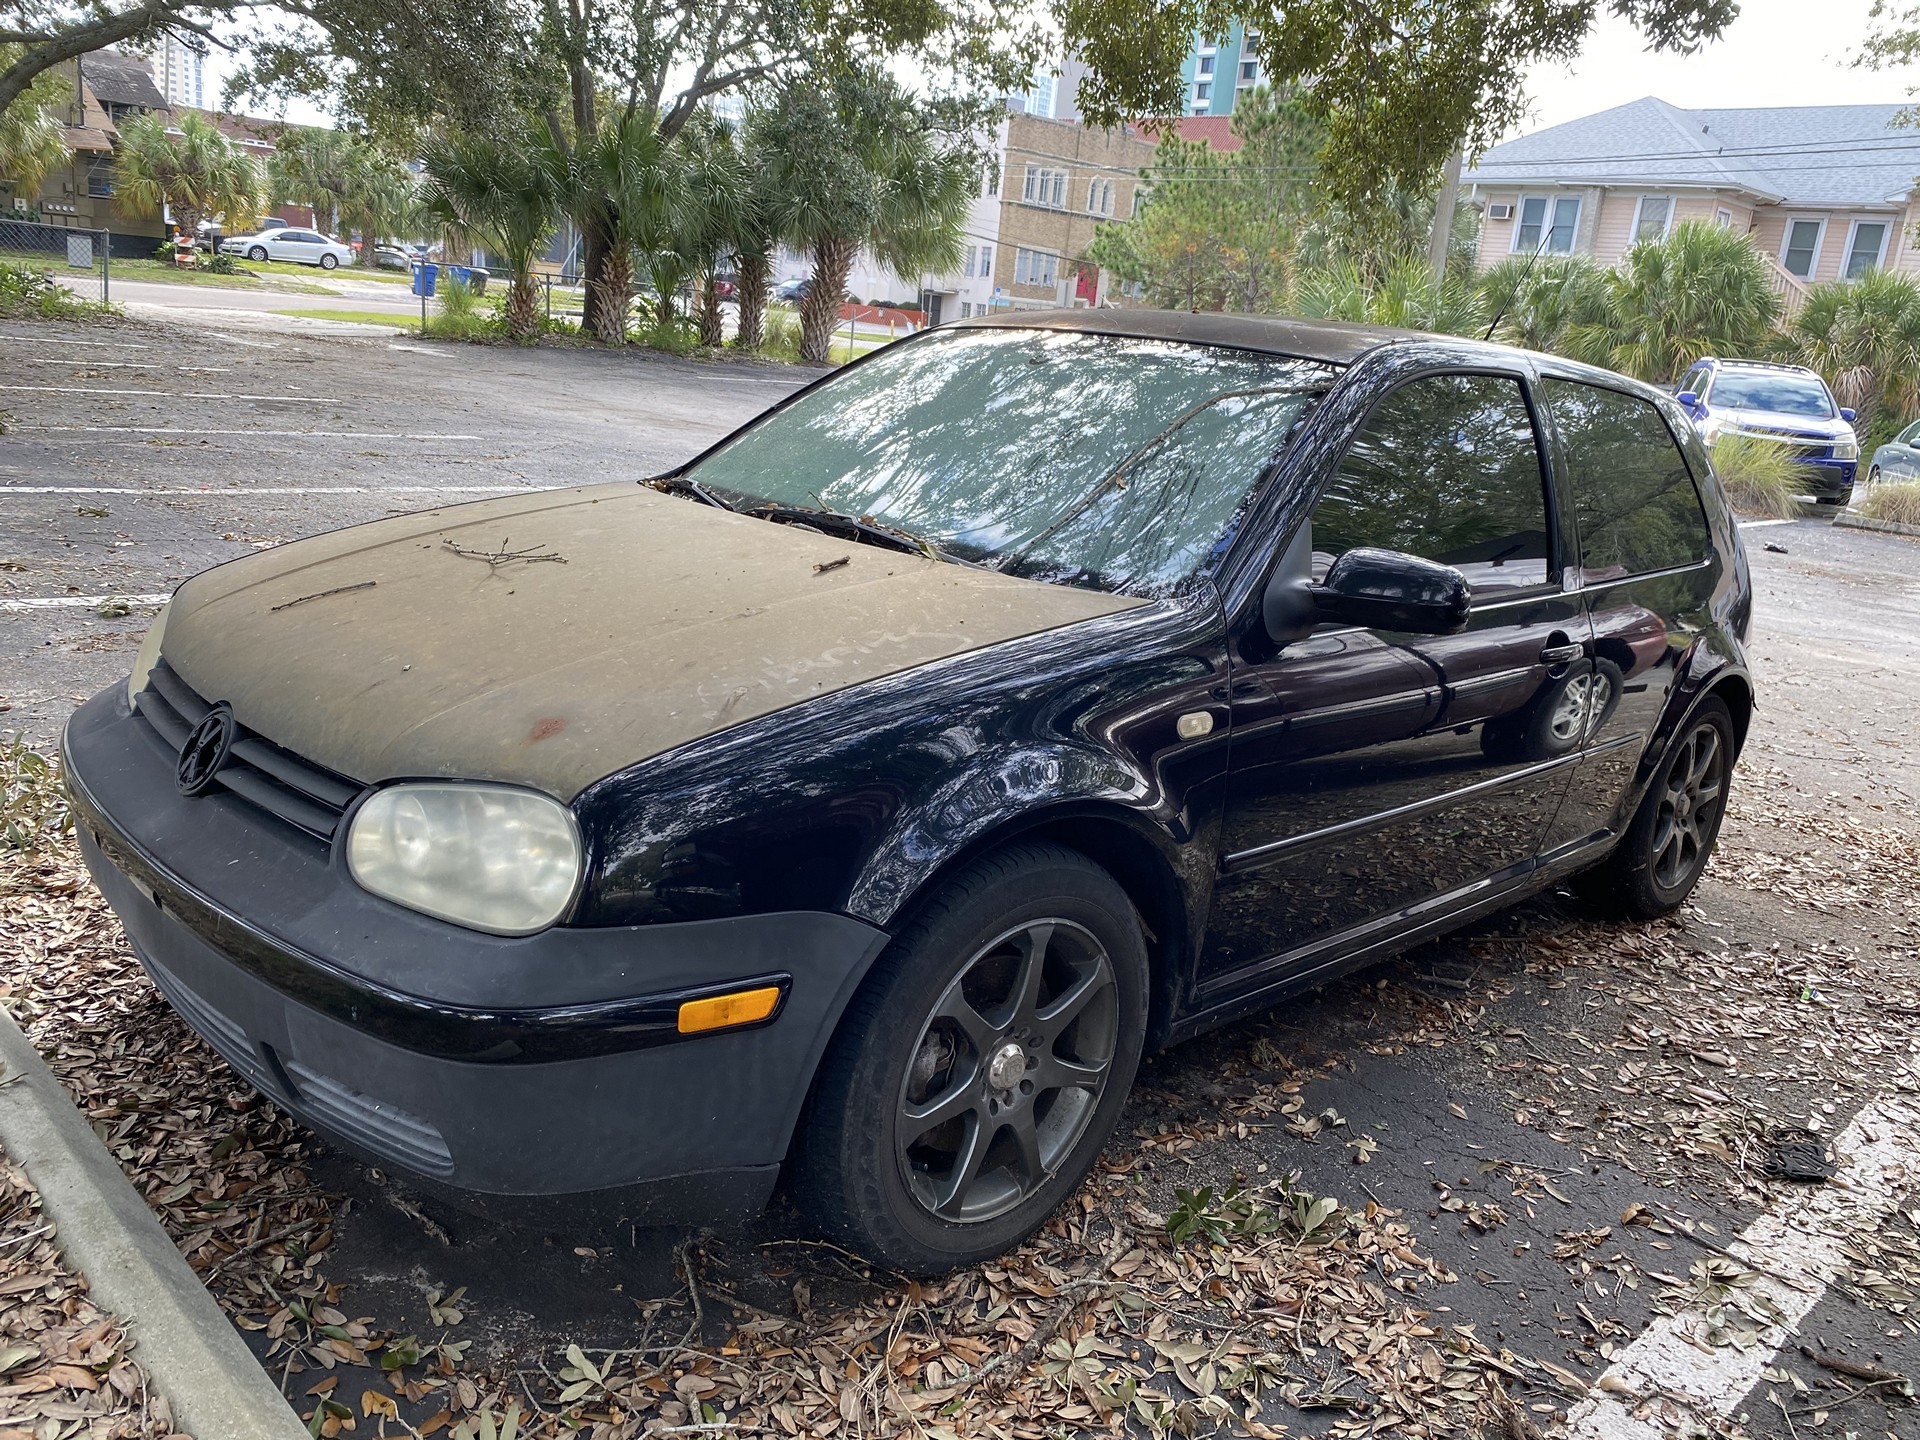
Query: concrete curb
{"points": [[190, 1352], [1885, 527]]}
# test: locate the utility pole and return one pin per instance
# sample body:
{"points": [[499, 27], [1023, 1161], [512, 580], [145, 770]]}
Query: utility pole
{"points": [[1443, 216]]}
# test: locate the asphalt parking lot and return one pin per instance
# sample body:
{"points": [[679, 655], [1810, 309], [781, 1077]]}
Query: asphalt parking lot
{"points": [[1569, 1118]]}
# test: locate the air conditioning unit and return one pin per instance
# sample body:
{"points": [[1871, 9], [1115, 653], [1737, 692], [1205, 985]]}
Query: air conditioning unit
{"points": [[1499, 212]]}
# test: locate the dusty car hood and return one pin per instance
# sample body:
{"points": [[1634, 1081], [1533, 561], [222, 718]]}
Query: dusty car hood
{"points": [[668, 620]]}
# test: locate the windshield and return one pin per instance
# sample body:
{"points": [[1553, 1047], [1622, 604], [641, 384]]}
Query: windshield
{"points": [[1783, 394], [1103, 461]]}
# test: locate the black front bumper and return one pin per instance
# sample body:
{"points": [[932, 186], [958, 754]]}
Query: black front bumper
{"points": [[544, 1064]]}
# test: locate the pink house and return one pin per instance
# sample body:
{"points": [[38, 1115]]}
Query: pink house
{"points": [[1825, 191]]}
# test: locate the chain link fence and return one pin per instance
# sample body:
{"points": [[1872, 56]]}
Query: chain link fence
{"points": [[76, 259]]}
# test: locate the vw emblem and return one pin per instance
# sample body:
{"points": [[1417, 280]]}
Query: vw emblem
{"points": [[206, 750]]}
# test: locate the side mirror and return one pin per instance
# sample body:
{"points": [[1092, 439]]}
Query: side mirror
{"points": [[1688, 399], [1846, 414], [1386, 590]]}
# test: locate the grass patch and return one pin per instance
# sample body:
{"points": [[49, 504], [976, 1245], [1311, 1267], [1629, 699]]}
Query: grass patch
{"points": [[356, 317], [1897, 503], [1758, 476], [244, 279], [29, 294], [461, 315]]}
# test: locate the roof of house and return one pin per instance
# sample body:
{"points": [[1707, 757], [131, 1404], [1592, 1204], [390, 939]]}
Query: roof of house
{"points": [[1804, 155], [256, 132], [121, 79], [1213, 131]]}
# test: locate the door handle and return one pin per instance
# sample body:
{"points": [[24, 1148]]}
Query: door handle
{"points": [[1561, 654]]}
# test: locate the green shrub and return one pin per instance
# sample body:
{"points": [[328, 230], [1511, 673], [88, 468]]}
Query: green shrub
{"points": [[220, 263], [1898, 503], [460, 316], [27, 293], [33, 802], [1758, 476], [676, 337], [781, 334]]}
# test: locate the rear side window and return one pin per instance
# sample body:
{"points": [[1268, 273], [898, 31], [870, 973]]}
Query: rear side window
{"points": [[1634, 499], [1446, 468]]}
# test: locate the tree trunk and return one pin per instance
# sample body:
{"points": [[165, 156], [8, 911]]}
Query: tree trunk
{"points": [[755, 270], [610, 297], [820, 311], [523, 310], [596, 254], [712, 329]]}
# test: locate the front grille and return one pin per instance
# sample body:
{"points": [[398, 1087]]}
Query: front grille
{"points": [[382, 1128], [302, 794]]}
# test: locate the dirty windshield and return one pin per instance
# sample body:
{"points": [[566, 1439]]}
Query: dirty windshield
{"points": [[1104, 461]]}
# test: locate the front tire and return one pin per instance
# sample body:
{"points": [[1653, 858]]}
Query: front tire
{"points": [[258, 252], [1665, 849], [981, 1068]]}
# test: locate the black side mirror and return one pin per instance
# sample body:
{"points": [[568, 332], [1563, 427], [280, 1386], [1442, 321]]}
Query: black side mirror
{"points": [[1386, 590]]}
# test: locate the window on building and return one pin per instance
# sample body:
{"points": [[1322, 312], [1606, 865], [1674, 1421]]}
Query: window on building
{"points": [[1634, 499], [986, 260], [1652, 218], [1035, 267], [1802, 250], [1865, 248], [966, 309], [1100, 197], [1045, 186], [1723, 219], [973, 259], [1546, 223], [1249, 70], [1206, 64], [1203, 91]]}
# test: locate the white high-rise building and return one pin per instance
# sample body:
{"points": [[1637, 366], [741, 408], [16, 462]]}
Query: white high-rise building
{"points": [[180, 68]]}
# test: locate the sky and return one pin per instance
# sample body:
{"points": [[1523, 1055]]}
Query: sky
{"points": [[1777, 52]]}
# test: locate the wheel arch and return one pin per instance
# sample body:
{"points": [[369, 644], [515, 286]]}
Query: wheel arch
{"points": [[1143, 862], [1735, 690]]}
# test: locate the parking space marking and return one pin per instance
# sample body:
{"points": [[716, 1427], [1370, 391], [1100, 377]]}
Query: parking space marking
{"points": [[177, 394], [270, 434], [62, 340], [141, 365], [1800, 1235], [161, 492], [76, 602], [1762, 524]]}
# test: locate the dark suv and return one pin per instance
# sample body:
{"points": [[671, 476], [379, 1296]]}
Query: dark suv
{"points": [[867, 796]]}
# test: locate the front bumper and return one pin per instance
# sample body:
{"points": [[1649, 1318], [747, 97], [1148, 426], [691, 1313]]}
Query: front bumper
{"points": [[546, 1064], [1829, 482]]}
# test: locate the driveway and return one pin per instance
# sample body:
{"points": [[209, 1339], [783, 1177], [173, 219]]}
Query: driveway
{"points": [[1545, 1134]]}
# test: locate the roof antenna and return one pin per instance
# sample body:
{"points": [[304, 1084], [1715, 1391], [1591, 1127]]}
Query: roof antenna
{"points": [[1525, 270]]}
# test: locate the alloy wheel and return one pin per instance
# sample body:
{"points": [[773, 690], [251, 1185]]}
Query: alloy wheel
{"points": [[1008, 1070], [1696, 780], [1584, 697]]}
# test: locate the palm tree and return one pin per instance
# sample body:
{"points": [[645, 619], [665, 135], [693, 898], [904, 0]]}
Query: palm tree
{"points": [[506, 191], [316, 167], [1404, 295], [195, 171], [1700, 291], [1537, 299], [1864, 335], [755, 233], [857, 163], [716, 188], [33, 142]]}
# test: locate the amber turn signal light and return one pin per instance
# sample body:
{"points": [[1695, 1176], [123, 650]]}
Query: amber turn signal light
{"points": [[721, 1012]]}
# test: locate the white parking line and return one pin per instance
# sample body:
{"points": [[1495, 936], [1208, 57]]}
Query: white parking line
{"points": [[1762, 524], [61, 340], [141, 365], [1654, 1381], [271, 434], [157, 492], [175, 394], [77, 602]]}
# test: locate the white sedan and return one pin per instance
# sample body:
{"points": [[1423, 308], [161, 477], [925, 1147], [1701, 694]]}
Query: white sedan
{"points": [[303, 247]]}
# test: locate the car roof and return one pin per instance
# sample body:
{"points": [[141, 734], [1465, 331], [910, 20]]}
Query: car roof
{"points": [[1773, 365]]}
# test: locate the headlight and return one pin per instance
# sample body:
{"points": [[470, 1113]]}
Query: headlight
{"points": [[1846, 450], [1711, 431], [485, 856], [147, 657]]}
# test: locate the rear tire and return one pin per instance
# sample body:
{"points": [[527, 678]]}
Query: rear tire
{"points": [[982, 1066], [329, 262], [1660, 858]]}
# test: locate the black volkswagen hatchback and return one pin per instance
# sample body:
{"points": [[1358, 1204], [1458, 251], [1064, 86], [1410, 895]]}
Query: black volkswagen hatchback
{"points": [[866, 797]]}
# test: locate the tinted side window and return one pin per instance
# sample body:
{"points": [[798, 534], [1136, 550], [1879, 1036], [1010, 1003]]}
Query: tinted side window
{"points": [[1447, 468], [1633, 497]]}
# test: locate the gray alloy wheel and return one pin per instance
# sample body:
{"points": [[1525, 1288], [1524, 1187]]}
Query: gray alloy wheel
{"points": [[329, 262], [1008, 1070], [257, 252], [1689, 806], [1873, 475], [1569, 720]]}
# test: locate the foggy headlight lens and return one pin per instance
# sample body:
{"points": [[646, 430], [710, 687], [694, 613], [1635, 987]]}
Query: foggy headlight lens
{"points": [[485, 856], [147, 657], [1846, 450]]}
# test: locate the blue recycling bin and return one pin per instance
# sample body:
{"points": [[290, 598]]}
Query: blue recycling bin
{"points": [[462, 273], [425, 277]]}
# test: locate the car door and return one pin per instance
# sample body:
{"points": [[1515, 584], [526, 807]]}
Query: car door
{"points": [[1648, 573], [296, 245], [1372, 773], [1907, 453]]}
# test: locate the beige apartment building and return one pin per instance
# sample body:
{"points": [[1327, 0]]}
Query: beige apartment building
{"points": [[1058, 182]]}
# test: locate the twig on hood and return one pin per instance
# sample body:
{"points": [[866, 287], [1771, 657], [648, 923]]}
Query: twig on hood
{"points": [[533, 554], [323, 594]]}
